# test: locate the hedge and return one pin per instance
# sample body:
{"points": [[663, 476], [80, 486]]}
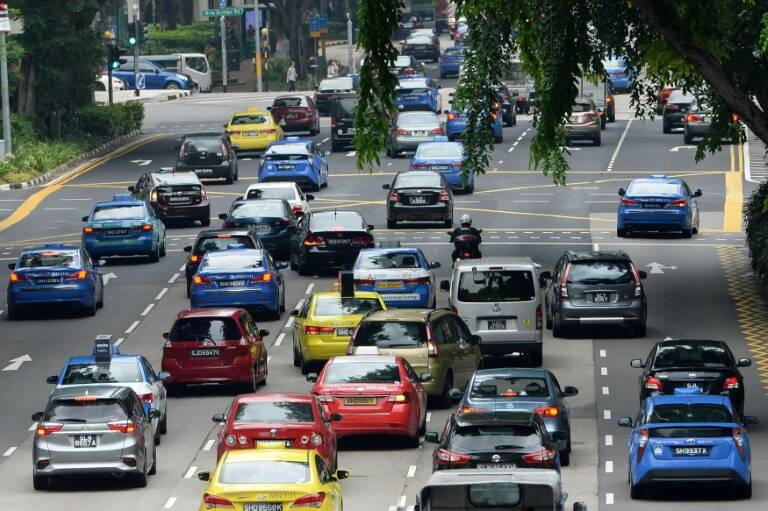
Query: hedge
{"points": [[191, 38], [756, 218], [104, 123]]}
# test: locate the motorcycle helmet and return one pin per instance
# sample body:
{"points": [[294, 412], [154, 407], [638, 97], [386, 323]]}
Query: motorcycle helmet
{"points": [[466, 220]]}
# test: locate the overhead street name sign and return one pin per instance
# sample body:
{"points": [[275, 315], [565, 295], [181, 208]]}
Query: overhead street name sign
{"points": [[229, 11]]}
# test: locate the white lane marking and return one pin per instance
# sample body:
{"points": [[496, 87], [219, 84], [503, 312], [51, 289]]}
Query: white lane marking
{"points": [[411, 471], [132, 327], [208, 445], [325, 140], [512, 148], [401, 501], [429, 416], [595, 247], [289, 323], [608, 440], [148, 309], [609, 498], [173, 279], [603, 354], [190, 472], [269, 358], [174, 250], [609, 467], [606, 391], [119, 341], [501, 162], [247, 159], [170, 502], [161, 294], [32, 427], [392, 508], [309, 288], [351, 153], [618, 146], [15, 363], [279, 339], [10, 451], [607, 415], [181, 268], [603, 371]]}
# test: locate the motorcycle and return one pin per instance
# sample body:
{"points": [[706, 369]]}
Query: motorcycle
{"points": [[466, 246]]}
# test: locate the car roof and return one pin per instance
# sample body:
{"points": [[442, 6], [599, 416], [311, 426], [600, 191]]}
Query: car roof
{"points": [[487, 262], [418, 173], [513, 371], [260, 397], [337, 294], [336, 212], [273, 184], [399, 314], [213, 312], [594, 255], [295, 455], [100, 391], [265, 199], [497, 417], [91, 359], [174, 178], [693, 342], [202, 134], [657, 179], [357, 359]]}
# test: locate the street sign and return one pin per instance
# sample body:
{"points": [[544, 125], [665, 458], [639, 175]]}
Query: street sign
{"points": [[141, 81], [318, 25], [229, 11], [5, 21], [112, 32], [323, 23]]}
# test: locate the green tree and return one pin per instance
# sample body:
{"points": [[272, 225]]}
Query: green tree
{"points": [[291, 18], [716, 49]]}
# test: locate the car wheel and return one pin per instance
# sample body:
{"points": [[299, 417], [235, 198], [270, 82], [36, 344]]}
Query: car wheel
{"points": [[263, 381], [666, 128], [305, 270], [162, 249], [443, 401], [205, 222], [547, 317], [296, 357], [249, 386], [305, 366], [536, 357], [640, 329], [153, 468], [687, 233], [40, 483], [449, 223], [154, 256], [499, 139], [230, 178], [163, 426], [620, 232], [140, 479], [282, 301], [174, 389], [636, 492], [558, 329], [470, 188], [687, 139], [100, 301], [391, 224], [13, 314], [565, 457], [90, 310], [294, 266], [597, 141], [172, 85], [413, 441], [744, 491]]}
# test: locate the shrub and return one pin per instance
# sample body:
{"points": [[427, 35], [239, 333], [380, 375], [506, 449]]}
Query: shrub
{"points": [[22, 130], [105, 123], [34, 158], [191, 38], [756, 217]]}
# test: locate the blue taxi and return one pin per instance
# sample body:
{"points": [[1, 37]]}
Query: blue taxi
{"points": [[451, 60], [402, 276], [123, 226], [417, 94], [658, 203], [54, 274], [240, 277], [457, 123], [447, 158], [296, 160]]}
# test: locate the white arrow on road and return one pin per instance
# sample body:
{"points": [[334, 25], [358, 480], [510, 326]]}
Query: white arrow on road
{"points": [[659, 268], [678, 147], [15, 363], [141, 163], [109, 276], [572, 148]]}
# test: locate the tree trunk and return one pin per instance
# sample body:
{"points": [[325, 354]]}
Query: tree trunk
{"points": [[186, 12], [26, 106], [170, 14]]}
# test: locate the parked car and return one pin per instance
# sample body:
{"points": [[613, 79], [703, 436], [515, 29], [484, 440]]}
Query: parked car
{"points": [[675, 110], [151, 76], [584, 123], [296, 113], [209, 155], [420, 196], [409, 129], [174, 196]]}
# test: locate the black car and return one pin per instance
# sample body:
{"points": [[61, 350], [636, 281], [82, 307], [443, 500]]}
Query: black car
{"points": [[495, 440], [674, 111], [342, 112], [419, 195], [331, 88], [216, 239], [703, 365], [329, 239], [174, 195], [272, 220], [506, 104], [422, 47], [209, 155]]}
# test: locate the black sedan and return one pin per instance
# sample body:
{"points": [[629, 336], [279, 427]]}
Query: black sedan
{"points": [[209, 155], [421, 196], [506, 104], [501, 440], [271, 219], [328, 240], [692, 365]]}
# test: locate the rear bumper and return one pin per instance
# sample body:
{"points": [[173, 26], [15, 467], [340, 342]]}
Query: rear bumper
{"points": [[674, 120], [449, 68], [395, 422], [589, 132], [110, 462], [506, 347], [74, 293], [265, 298], [222, 374], [141, 246], [633, 313], [298, 125], [200, 211], [330, 258], [241, 144], [437, 212], [697, 129], [662, 219], [713, 473], [619, 84]]}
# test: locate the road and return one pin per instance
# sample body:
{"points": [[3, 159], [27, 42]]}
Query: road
{"points": [[699, 288]]}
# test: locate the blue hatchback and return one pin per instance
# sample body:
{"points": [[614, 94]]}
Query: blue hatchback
{"points": [[239, 277], [658, 203], [457, 122], [447, 158], [402, 276], [296, 160], [54, 274], [417, 94], [450, 61], [688, 438]]}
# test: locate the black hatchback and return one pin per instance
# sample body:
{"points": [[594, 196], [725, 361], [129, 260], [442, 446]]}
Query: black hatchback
{"points": [[694, 365], [421, 196], [209, 155], [342, 111]]}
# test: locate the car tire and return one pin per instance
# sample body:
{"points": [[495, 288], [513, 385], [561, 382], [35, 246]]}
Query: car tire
{"points": [[621, 232], [249, 386], [565, 457], [469, 189], [391, 224], [153, 469], [640, 329], [335, 148], [666, 128], [687, 233], [305, 270], [499, 139], [13, 314], [413, 441], [449, 223], [100, 301], [536, 357], [443, 401], [230, 179], [558, 329], [305, 366], [205, 222], [163, 424], [90, 310], [296, 357], [154, 256], [172, 85], [294, 266], [744, 491], [40, 483], [597, 141], [282, 301], [162, 249], [174, 389], [636, 492], [140, 479], [547, 318], [603, 122], [687, 139]]}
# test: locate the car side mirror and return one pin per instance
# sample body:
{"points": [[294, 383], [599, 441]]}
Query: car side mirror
{"points": [[154, 413], [309, 197], [425, 377], [336, 417], [697, 193], [642, 274], [386, 186], [326, 153], [625, 422], [163, 375], [222, 216], [132, 189], [53, 379], [475, 340], [223, 126], [751, 420], [84, 219], [166, 335], [204, 476], [431, 437], [188, 248], [445, 285], [455, 394], [219, 417], [579, 506], [446, 112], [294, 313], [569, 391], [312, 377], [622, 192], [342, 474], [370, 227], [269, 109], [744, 362], [37, 416], [637, 363], [11, 266], [263, 332]]}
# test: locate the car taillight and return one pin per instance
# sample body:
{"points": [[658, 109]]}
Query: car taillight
{"points": [[124, 426], [548, 412], [642, 443], [418, 165], [268, 131], [735, 117], [545, 456], [78, 275], [363, 240], [452, 116], [394, 197], [671, 106], [449, 458], [538, 318], [318, 330], [398, 398], [224, 152], [471, 409], [438, 131], [456, 165], [46, 428], [264, 277], [731, 383], [153, 196], [564, 282], [333, 122], [311, 500], [678, 203], [400, 132], [444, 196], [408, 71], [738, 439], [297, 210], [652, 383], [417, 281], [628, 202], [314, 241], [147, 397], [432, 349], [638, 285], [198, 279], [147, 227], [211, 501], [17, 277], [693, 118], [364, 282], [194, 259]]}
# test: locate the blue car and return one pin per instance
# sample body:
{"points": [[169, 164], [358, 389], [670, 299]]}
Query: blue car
{"points": [[457, 122], [240, 277], [450, 61], [417, 94], [54, 274], [530, 390], [123, 226], [402, 276], [619, 76], [687, 438], [151, 76], [297, 160], [447, 158], [658, 203]]}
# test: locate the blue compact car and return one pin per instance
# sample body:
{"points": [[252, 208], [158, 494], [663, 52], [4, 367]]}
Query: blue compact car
{"points": [[402, 276], [417, 94], [151, 76], [296, 160], [686, 438], [123, 226], [457, 122], [54, 274], [450, 61], [660, 204], [239, 277], [618, 74], [447, 158]]}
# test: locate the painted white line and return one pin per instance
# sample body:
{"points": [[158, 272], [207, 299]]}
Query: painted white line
{"points": [[247, 159], [279, 339], [325, 140], [269, 357], [595, 247], [148, 309], [161, 294], [401, 501], [208, 444], [32, 427], [606, 391], [618, 146], [190, 472], [12, 449], [512, 148], [181, 268], [501, 162], [603, 371], [429, 416], [289, 323], [608, 440], [173, 279], [351, 153], [169, 503], [132, 327], [609, 467], [609, 498], [119, 341], [607, 415], [603, 354], [411, 470], [392, 508], [309, 288]]}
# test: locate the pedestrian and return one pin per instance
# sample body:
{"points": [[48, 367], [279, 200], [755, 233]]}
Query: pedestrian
{"points": [[311, 70], [333, 69], [290, 77]]}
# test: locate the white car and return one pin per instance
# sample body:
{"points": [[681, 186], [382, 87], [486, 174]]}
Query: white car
{"points": [[102, 82], [291, 192]]}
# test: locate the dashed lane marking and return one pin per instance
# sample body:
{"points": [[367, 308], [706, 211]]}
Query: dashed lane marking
{"points": [[603, 354], [173, 278], [309, 288], [609, 498], [170, 502], [148, 309], [607, 415], [603, 371], [208, 444], [11, 450], [411, 471], [161, 294], [279, 339], [733, 216], [618, 146], [119, 341], [190, 472], [32, 427], [608, 440], [133, 326], [609, 467]]}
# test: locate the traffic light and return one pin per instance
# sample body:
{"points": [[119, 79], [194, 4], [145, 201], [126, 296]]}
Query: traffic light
{"points": [[142, 32], [114, 57], [132, 34]]}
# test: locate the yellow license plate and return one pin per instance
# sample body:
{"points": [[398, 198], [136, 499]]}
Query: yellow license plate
{"points": [[270, 444], [389, 284], [357, 401]]}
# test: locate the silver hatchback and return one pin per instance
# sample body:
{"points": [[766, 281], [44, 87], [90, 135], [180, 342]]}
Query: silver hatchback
{"points": [[93, 429]]}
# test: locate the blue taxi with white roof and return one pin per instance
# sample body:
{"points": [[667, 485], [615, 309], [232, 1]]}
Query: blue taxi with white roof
{"points": [[447, 158], [54, 274], [417, 94], [658, 203], [295, 160], [124, 226], [402, 276]]}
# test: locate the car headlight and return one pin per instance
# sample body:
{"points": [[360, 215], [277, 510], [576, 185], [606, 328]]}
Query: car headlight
{"points": [[182, 77]]}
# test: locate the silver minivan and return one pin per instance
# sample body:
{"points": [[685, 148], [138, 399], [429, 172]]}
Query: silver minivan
{"points": [[499, 298]]}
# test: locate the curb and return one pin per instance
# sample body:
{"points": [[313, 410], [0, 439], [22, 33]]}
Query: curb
{"points": [[169, 97], [67, 166]]}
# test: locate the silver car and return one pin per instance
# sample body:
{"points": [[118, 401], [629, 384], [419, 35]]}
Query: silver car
{"points": [[93, 429], [697, 123], [583, 123], [410, 129]]}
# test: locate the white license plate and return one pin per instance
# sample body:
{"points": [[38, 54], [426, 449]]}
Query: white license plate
{"points": [[203, 171], [601, 298], [284, 166], [48, 280], [84, 441], [250, 133], [232, 283], [418, 200], [440, 168], [116, 232], [351, 131], [262, 227], [497, 324], [344, 332], [496, 466], [178, 199]]}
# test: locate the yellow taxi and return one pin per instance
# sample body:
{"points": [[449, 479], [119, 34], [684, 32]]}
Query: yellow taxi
{"points": [[272, 479], [325, 322], [253, 130]]}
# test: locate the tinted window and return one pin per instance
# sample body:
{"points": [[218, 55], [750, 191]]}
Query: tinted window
{"points": [[339, 221], [650, 188], [258, 208], [362, 372], [391, 334], [264, 472], [496, 286], [591, 273], [336, 84], [233, 262], [271, 193], [345, 107], [499, 386], [412, 84], [382, 261], [52, 258], [495, 437], [410, 180], [221, 243], [581, 107], [403, 61], [455, 50], [422, 39], [693, 412], [200, 329], [291, 148], [440, 150], [71, 410], [338, 306], [280, 411], [132, 212], [115, 371], [287, 102], [694, 356], [494, 494], [418, 119], [680, 97], [250, 119]]}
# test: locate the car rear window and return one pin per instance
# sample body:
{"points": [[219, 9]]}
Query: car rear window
{"points": [[336, 84], [418, 40], [496, 286], [581, 107], [345, 107], [592, 273], [239, 120], [680, 97], [648, 188], [258, 208], [409, 180], [288, 102], [75, 411], [271, 193], [48, 259], [329, 306], [362, 372], [336, 221], [500, 386], [690, 432], [454, 50], [440, 150], [278, 411], [494, 437], [235, 262], [391, 334], [691, 412], [418, 119], [692, 356], [403, 61], [199, 145], [299, 149], [115, 371], [387, 260], [201, 329], [128, 212], [412, 84], [217, 243], [264, 472]]}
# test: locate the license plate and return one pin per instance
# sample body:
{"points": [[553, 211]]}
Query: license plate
{"points": [[496, 466], [389, 284], [691, 386], [290, 116], [440, 168], [337, 241], [652, 205], [48, 280], [116, 232], [691, 451], [272, 444], [84, 441], [601, 298], [284, 166], [419, 134], [203, 171], [357, 401], [232, 283], [262, 506], [344, 332], [262, 227], [418, 200], [205, 352], [178, 199], [497, 324], [250, 133], [412, 98]]}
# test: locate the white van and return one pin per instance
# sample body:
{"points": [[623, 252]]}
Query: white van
{"points": [[194, 65], [499, 298]]}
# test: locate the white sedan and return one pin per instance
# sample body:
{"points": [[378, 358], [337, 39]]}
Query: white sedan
{"points": [[291, 192], [102, 82]]}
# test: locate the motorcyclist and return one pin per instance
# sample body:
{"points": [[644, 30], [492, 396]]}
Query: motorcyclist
{"points": [[466, 229]]}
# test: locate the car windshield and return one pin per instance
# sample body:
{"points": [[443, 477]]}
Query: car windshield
{"points": [[126, 212], [233, 262], [391, 334], [418, 119], [653, 188], [264, 472], [287, 102], [362, 372], [258, 208], [275, 411], [692, 356], [581, 108], [403, 61], [271, 193], [114, 371], [331, 306], [494, 437], [335, 84], [336, 221], [509, 386], [440, 150], [497, 286], [49, 259], [221, 243], [297, 148], [590, 273], [387, 260], [240, 120], [413, 180], [201, 329], [202, 145], [85, 411], [690, 412]]}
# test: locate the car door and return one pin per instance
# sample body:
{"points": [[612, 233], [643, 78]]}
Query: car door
{"points": [[562, 403], [470, 353], [298, 323], [421, 395], [153, 78], [256, 343], [158, 388], [694, 204], [448, 348], [94, 274], [146, 429], [553, 290]]}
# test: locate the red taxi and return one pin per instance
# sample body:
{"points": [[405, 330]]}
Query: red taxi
{"points": [[296, 113], [277, 421], [375, 395], [215, 346]]}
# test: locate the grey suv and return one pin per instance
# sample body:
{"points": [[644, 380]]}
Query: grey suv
{"points": [[93, 429], [596, 288]]}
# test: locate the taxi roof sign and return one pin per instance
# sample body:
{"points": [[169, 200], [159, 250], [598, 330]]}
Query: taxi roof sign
{"points": [[252, 109], [103, 349]]}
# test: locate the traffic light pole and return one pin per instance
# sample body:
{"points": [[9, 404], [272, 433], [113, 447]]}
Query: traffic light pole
{"points": [[5, 101], [109, 72], [137, 24], [223, 53]]}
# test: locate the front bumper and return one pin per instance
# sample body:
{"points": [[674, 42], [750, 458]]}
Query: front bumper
{"points": [[663, 219]]}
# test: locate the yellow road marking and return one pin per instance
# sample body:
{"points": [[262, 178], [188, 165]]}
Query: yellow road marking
{"points": [[733, 209]]}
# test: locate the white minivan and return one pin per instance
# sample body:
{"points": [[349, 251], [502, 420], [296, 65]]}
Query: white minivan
{"points": [[499, 298]]}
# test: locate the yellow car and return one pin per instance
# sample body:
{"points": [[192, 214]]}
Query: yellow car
{"points": [[266, 479], [324, 324], [253, 130]]}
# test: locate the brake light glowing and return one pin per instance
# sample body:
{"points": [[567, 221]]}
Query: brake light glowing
{"points": [[444, 196], [147, 227], [78, 275], [333, 122], [418, 165], [671, 106], [194, 259], [738, 439], [636, 275], [642, 443], [398, 398], [679, 203], [400, 132], [438, 131], [628, 202], [446, 457], [731, 383], [735, 117], [46, 428], [85, 399], [364, 282], [452, 116], [394, 197], [432, 349], [198, 279], [268, 131], [471, 409], [545, 456], [318, 330], [297, 209], [548, 412], [693, 118], [652, 383], [88, 230], [312, 500], [153, 196], [264, 277], [417, 281], [214, 502], [17, 277], [124, 426], [314, 241]]}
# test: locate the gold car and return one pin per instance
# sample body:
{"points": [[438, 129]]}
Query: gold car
{"points": [[252, 130]]}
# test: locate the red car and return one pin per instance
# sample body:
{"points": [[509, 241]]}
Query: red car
{"points": [[296, 113], [215, 346], [275, 421], [375, 394], [663, 97]]}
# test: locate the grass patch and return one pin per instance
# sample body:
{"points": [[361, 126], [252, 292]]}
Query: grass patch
{"points": [[33, 159]]}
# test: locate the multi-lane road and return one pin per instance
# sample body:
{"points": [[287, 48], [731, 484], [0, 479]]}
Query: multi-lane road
{"points": [[700, 287]]}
